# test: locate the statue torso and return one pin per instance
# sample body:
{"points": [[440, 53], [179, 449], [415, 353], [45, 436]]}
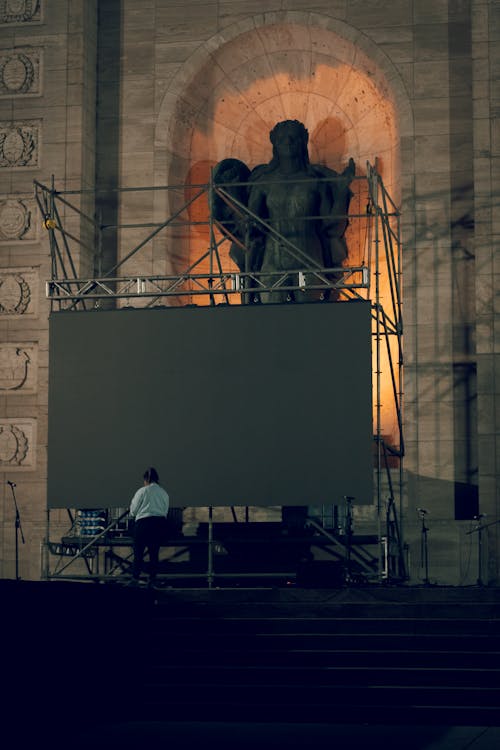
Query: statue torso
{"points": [[289, 202]]}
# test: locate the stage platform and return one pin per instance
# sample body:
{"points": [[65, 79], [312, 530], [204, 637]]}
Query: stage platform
{"points": [[238, 554]]}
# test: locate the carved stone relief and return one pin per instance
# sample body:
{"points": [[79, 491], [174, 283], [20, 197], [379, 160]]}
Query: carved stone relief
{"points": [[19, 144], [17, 219], [17, 443], [20, 11], [18, 367], [20, 72], [18, 292]]}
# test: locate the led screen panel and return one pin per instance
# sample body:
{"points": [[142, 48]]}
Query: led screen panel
{"points": [[234, 405]]}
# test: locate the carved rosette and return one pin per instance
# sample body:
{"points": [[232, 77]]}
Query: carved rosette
{"points": [[17, 295], [19, 144], [18, 368], [17, 443], [17, 220], [20, 72], [20, 11]]}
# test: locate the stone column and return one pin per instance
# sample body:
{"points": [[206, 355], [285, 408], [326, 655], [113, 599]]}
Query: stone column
{"points": [[486, 99]]}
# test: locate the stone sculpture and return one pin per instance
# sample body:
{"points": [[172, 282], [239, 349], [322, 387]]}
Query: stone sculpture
{"points": [[286, 215]]}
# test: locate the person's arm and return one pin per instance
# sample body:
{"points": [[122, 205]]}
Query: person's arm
{"points": [[136, 502], [167, 503]]}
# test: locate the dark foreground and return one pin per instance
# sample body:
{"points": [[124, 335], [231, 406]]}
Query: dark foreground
{"points": [[104, 666]]}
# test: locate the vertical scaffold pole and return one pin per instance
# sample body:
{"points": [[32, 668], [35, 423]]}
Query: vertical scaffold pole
{"points": [[374, 191], [210, 570], [211, 230], [214, 245], [49, 224], [401, 391], [45, 548]]}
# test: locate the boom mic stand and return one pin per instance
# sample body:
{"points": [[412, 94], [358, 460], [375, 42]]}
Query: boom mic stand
{"points": [[18, 526]]}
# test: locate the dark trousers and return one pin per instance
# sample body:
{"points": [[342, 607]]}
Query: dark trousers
{"points": [[149, 533]]}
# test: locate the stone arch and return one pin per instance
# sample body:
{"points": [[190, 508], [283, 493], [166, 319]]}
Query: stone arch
{"points": [[283, 65], [272, 66]]}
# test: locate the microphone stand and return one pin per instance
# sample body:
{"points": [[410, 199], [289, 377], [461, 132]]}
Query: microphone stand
{"points": [[424, 550], [479, 530], [348, 532], [18, 527]]}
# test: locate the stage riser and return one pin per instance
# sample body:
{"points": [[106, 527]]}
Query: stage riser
{"points": [[325, 661], [326, 713], [309, 659], [421, 626], [339, 656]]}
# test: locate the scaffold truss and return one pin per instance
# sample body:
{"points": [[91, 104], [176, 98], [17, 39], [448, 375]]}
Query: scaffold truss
{"points": [[212, 278]]}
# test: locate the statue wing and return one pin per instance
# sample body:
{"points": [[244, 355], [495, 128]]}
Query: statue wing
{"points": [[229, 192], [338, 196]]}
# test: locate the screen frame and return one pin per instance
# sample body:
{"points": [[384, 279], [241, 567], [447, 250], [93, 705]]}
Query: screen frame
{"points": [[234, 405]]}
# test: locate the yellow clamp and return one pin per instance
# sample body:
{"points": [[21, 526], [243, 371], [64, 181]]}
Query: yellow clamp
{"points": [[49, 223]]}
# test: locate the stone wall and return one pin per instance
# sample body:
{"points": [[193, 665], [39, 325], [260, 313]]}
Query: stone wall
{"points": [[181, 85], [47, 101], [486, 145]]}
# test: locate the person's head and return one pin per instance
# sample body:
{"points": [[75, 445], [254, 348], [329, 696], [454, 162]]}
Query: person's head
{"points": [[150, 475], [290, 138]]}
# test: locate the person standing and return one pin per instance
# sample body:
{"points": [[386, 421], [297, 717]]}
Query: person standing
{"points": [[149, 510]]}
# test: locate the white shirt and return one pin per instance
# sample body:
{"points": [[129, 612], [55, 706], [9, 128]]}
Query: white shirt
{"points": [[150, 500]]}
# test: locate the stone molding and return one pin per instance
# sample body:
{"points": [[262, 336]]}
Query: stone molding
{"points": [[20, 72], [20, 144], [17, 219], [18, 368], [18, 292], [17, 444], [15, 12]]}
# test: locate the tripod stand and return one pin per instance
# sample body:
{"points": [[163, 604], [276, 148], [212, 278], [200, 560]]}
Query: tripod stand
{"points": [[18, 528], [424, 547], [479, 531]]}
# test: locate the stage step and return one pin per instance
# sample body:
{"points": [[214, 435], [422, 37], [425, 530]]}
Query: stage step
{"points": [[217, 656], [363, 656]]}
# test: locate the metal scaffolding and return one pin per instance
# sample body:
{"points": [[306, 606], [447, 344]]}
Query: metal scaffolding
{"points": [[225, 282]]}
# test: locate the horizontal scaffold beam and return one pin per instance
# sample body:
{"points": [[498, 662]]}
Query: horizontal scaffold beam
{"points": [[156, 287]]}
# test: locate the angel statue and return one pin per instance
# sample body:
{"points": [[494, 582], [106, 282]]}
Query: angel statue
{"points": [[287, 215]]}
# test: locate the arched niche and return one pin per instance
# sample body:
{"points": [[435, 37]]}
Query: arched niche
{"points": [[276, 66], [238, 84]]}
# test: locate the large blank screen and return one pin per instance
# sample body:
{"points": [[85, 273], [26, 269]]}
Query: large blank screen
{"points": [[233, 405]]}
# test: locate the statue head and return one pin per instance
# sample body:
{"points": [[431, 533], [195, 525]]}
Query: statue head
{"points": [[290, 138]]}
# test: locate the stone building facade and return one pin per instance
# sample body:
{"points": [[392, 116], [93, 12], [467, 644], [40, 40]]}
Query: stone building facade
{"points": [[119, 93]]}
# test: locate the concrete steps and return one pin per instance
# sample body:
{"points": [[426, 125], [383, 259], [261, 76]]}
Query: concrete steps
{"points": [[87, 656], [337, 657]]}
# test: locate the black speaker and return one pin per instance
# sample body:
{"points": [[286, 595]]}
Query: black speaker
{"points": [[466, 501], [320, 574], [294, 517]]}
